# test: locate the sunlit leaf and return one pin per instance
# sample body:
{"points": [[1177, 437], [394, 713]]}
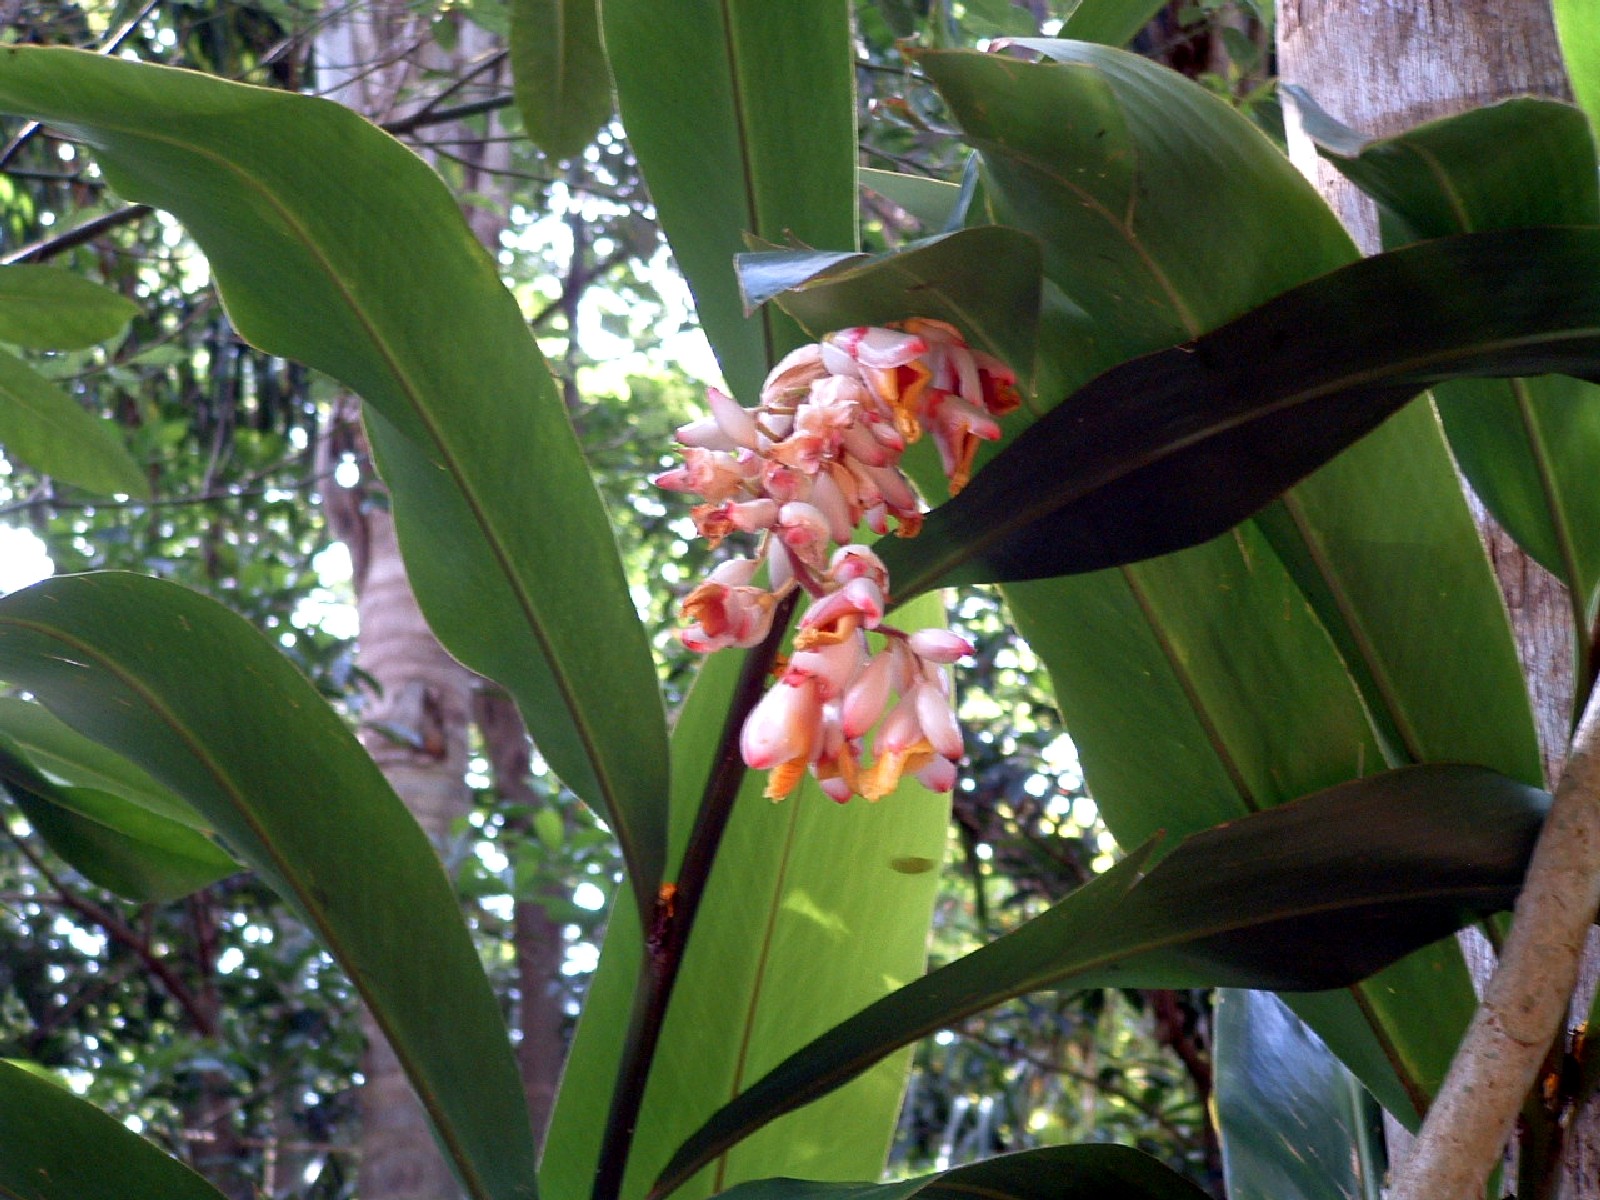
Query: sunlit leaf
{"points": [[44, 428], [46, 308]]}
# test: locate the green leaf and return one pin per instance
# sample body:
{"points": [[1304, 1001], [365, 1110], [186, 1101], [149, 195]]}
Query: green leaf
{"points": [[1294, 1124], [67, 755], [45, 308], [1053, 1173], [558, 67], [111, 841], [742, 115], [1176, 447], [1366, 872], [44, 428], [133, 663], [1110, 22], [985, 281], [1578, 28], [806, 920], [54, 1146], [1530, 447], [506, 543], [933, 202]]}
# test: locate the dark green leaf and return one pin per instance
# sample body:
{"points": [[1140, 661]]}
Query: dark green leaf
{"points": [[1054, 1173], [112, 841], [1530, 447], [54, 1146], [985, 281], [45, 308], [558, 65], [742, 115], [1110, 22], [197, 697], [1294, 1124], [1176, 447], [44, 428], [1366, 872], [506, 544]]}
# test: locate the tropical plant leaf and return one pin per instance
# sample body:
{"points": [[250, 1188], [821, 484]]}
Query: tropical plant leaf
{"points": [[933, 202], [1578, 28], [558, 68], [1053, 1173], [194, 695], [1294, 1124], [54, 1146], [66, 755], [1109, 22], [1172, 449], [112, 841], [46, 308], [742, 115], [1530, 447], [46, 429], [1366, 872], [984, 280], [810, 915], [506, 543]]}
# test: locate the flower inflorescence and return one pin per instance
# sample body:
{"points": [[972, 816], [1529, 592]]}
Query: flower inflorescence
{"points": [[815, 459]]}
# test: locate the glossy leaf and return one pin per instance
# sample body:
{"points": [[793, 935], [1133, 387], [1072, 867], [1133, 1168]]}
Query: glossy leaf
{"points": [[1578, 28], [1366, 872], [111, 841], [984, 280], [1176, 447], [1110, 22], [54, 1146], [44, 428], [806, 920], [46, 308], [64, 754], [742, 115], [1294, 1124], [506, 544], [197, 697], [1530, 447], [1054, 1173], [933, 202], [558, 67]]}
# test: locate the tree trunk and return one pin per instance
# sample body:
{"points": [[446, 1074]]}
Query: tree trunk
{"points": [[1383, 68], [377, 58]]}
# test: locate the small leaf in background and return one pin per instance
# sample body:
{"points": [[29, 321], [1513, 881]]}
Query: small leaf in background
{"points": [[1110, 22], [558, 65], [111, 841], [198, 697], [1367, 872], [58, 1147], [933, 202], [1053, 1173], [45, 308], [44, 428], [1294, 1123]]}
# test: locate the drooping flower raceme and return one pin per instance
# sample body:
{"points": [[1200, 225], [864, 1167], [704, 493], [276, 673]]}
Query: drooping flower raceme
{"points": [[817, 457]]}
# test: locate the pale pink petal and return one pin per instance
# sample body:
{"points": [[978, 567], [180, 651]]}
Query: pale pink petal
{"points": [[705, 434], [939, 645], [735, 421], [938, 776], [901, 729], [781, 727], [865, 701], [938, 721]]}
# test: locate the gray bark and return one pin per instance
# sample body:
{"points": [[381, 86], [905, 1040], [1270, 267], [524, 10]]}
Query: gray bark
{"points": [[1383, 68]]}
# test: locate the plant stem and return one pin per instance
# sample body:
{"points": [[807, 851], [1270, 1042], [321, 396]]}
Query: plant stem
{"points": [[1526, 1000], [675, 908]]}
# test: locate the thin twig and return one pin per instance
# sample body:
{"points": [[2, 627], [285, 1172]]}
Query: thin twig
{"points": [[72, 238], [1526, 1000]]}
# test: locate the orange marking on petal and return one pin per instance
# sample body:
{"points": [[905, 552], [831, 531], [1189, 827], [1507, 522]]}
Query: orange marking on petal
{"points": [[783, 778]]}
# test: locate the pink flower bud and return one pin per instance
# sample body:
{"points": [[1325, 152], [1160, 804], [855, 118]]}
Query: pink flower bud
{"points": [[736, 422], [782, 727], [868, 696], [938, 722], [939, 645]]}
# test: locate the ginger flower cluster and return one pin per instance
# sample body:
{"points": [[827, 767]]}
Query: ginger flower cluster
{"points": [[819, 456]]}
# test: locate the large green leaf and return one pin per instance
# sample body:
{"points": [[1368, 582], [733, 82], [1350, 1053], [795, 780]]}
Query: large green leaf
{"points": [[54, 1146], [742, 115], [195, 696], [46, 308], [44, 428], [558, 67], [1053, 1173], [1530, 447], [506, 543], [1365, 872], [814, 910], [110, 840], [64, 754], [1176, 447], [1294, 1124], [1110, 22], [1578, 28]]}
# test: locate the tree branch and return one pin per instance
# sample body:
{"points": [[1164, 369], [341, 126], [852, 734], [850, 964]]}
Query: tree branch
{"points": [[1527, 998]]}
